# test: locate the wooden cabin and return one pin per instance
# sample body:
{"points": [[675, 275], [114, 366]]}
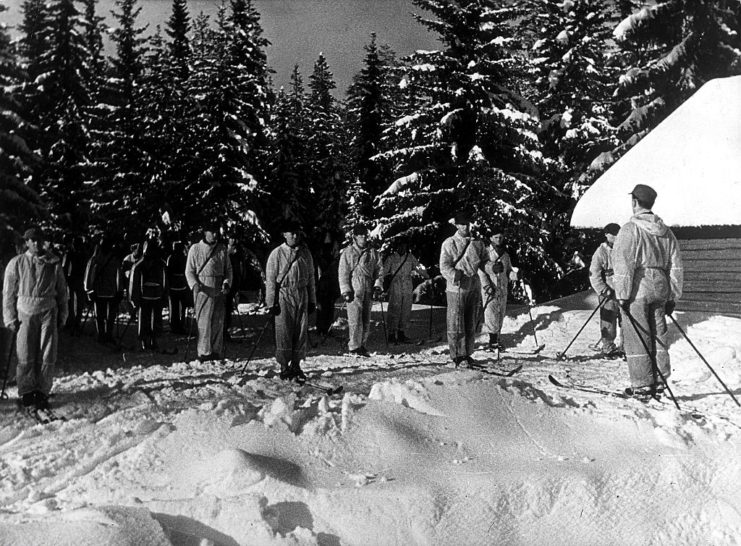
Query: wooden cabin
{"points": [[693, 161]]}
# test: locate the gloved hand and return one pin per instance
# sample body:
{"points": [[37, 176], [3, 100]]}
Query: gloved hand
{"points": [[458, 276], [311, 307], [377, 292], [90, 295], [348, 297], [669, 307], [225, 287], [625, 305], [13, 326], [607, 293], [497, 267], [274, 310]]}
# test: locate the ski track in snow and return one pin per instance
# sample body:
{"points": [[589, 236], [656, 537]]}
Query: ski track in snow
{"points": [[278, 462]]}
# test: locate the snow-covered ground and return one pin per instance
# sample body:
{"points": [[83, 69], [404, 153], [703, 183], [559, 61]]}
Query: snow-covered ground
{"points": [[160, 451]]}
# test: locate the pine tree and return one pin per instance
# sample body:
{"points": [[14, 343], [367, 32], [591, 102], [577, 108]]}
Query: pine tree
{"points": [[122, 161], [369, 108], [470, 139], [671, 49], [31, 46], [289, 194], [327, 153], [19, 204], [177, 28], [63, 89]]}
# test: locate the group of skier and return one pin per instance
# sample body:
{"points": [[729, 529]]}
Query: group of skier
{"points": [[637, 272]]}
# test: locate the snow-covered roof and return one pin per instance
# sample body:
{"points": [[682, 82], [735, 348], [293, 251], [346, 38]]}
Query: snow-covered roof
{"points": [[692, 159]]}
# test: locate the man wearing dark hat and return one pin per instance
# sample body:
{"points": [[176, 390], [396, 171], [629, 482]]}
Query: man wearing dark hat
{"points": [[360, 280], [461, 258], [494, 285], [647, 276], [209, 274], [600, 277], [290, 293], [34, 308]]}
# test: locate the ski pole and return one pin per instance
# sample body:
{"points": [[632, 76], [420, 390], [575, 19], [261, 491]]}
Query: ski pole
{"points": [[562, 354], [3, 394], [703, 359], [259, 338], [126, 329], [654, 364], [383, 322], [190, 332], [430, 325]]}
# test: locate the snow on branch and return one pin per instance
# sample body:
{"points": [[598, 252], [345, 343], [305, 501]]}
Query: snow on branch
{"points": [[400, 183]]}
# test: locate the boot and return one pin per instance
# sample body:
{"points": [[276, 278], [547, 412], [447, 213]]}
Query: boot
{"points": [[493, 342], [297, 373]]}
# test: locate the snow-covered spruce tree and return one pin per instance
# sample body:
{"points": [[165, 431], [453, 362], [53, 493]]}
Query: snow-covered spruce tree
{"points": [[470, 139], [289, 194], [19, 204], [370, 107], [572, 74], [178, 29], [31, 46], [573, 83], [327, 163], [62, 91], [671, 48], [120, 158], [227, 87]]}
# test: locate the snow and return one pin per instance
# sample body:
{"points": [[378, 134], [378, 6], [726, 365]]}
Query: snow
{"points": [[160, 451], [691, 159]]}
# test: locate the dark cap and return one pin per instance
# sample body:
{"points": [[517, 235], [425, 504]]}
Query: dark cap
{"points": [[34, 233], [359, 229], [290, 226], [645, 194], [462, 217], [210, 225], [495, 230], [611, 228]]}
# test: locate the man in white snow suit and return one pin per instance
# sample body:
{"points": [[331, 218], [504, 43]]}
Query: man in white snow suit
{"points": [[648, 277], [360, 280], [34, 308], [494, 286], [148, 286], [209, 274], [105, 284], [397, 282], [290, 293], [461, 258], [600, 277]]}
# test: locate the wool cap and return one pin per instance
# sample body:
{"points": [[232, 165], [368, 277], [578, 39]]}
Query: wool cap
{"points": [[644, 193], [611, 228]]}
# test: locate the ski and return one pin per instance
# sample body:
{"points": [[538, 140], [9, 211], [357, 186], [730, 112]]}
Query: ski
{"points": [[42, 416], [329, 390], [493, 370], [627, 394], [519, 351]]}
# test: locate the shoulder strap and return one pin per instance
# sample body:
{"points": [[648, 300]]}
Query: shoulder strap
{"points": [[208, 259], [400, 266], [358, 262], [463, 253], [290, 265]]}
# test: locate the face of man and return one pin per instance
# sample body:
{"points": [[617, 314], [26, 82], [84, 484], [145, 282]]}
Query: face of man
{"points": [[610, 239], [35, 246], [209, 236], [291, 238], [497, 240], [464, 229], [361, 240]]}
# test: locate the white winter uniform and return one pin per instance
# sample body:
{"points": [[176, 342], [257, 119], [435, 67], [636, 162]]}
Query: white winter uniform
{"points": [[35, 293], [600, 277], [494, 290], [359, 272], [289, 283], [464, 297], [399, 269], [647, 272], [206, 269]]}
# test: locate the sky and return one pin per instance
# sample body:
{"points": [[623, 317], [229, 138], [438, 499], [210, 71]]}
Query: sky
{"points": [[301, 29]]}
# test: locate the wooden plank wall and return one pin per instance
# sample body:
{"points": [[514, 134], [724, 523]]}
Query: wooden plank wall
{"points": [[712, 275]]}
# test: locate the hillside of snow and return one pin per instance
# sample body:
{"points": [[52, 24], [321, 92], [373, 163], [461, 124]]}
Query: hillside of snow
{"points": [[160, 451]]}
